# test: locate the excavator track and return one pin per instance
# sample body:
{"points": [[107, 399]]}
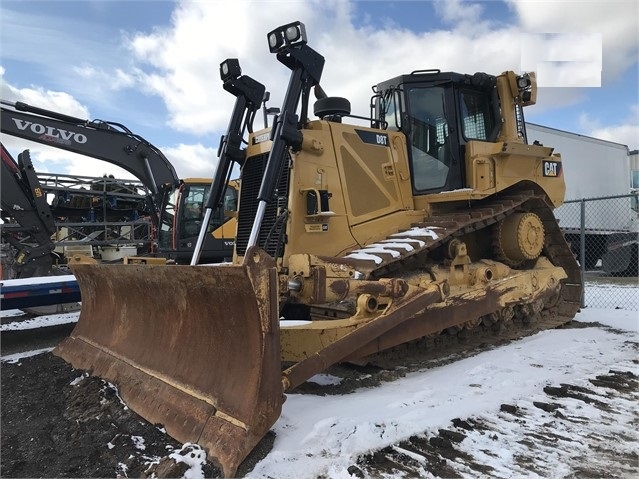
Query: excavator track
{"points": [[391, 258]]}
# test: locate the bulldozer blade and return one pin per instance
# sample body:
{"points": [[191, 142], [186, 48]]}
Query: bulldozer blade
{"points": [[194, 348]]}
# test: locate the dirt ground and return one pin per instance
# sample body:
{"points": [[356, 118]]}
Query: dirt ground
{"points": [[59, 422]]}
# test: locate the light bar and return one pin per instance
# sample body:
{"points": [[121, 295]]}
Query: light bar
{"points": [[230, 69], [286, 36], [523, 81], [524, 85]]}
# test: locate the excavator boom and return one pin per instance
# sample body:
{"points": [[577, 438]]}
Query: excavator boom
{"points": [[169, 199], [107, 141]]}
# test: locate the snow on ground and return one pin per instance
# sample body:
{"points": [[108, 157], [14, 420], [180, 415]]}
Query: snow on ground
{"points": [[324, 435], [612, 296], [38, 321], [14, 358], [38, 280]]}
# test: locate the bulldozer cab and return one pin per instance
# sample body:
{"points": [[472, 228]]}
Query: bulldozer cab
{"points": [[439, 113]]}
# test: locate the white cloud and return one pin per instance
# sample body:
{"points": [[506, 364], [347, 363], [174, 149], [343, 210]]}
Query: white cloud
{"points": [[625, 132], [617, 22], [179, 62], [116, 79], [460, 14], [43, 98], [185, 56], [192, 161], [183, 59]]}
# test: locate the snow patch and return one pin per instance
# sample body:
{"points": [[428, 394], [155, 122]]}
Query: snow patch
{"points": [[79, 379], [138, 442], [406, 244], [322, 436], [14, 358], [325, 380], [417, 231], [41, 321], [194, 457], [365, 256]]}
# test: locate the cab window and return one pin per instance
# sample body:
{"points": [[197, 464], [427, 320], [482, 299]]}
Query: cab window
{"points": [[230, 199], [476, 115], [392, 113], [428, 138], [167, 220], [193, 210]]}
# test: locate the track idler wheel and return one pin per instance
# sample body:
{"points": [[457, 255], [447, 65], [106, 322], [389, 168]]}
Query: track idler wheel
{"points": [[519, 238]]}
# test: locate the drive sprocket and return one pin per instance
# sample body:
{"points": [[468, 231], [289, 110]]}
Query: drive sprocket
{"points": [[519, 238]]}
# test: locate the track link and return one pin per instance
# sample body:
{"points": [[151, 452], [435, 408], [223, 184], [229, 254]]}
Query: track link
{"points": [[405, 251]]}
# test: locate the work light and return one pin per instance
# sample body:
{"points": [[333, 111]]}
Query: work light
{"points": [[523, 81], [230, 69], [286, 36]]}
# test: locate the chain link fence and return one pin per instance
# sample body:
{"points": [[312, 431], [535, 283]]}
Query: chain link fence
{"points": [[603, 233]]}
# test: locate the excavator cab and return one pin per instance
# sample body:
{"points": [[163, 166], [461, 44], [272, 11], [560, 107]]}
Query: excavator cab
{"points": [[350, 241], [182, 217]]}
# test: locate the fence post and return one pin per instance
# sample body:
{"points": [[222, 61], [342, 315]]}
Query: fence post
{"points": [[582, 250]]}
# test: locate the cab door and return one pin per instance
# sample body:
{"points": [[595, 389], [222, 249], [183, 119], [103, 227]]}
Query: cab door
{"points": [[434, 148]]}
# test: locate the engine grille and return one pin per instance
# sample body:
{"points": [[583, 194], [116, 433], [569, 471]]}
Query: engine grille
{"points": [[271, 237]]}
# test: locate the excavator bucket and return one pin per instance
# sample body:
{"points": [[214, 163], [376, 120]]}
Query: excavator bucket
{"points": [[194, 348]]}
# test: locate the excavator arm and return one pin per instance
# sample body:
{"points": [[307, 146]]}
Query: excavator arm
{"points": [[23, 200], [106, 141]]}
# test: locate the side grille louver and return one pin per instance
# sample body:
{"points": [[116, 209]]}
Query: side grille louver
{"points": [[272, 231]]}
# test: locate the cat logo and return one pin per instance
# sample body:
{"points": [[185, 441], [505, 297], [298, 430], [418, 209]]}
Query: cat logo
{"points": [[551, 168], [316, 228]]}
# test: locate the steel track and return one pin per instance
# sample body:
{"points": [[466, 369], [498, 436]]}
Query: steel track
{"points": [[478, 216]]}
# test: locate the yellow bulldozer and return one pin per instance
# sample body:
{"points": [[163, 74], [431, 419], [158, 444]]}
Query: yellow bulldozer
{"points": [[355, 235]]}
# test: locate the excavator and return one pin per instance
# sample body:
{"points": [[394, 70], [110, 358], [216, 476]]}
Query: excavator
{"points": [[24, 200], [434, 218], [176, 205]]}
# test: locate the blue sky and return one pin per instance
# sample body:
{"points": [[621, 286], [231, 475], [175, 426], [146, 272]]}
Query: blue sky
{"points": [[153, 65]]}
